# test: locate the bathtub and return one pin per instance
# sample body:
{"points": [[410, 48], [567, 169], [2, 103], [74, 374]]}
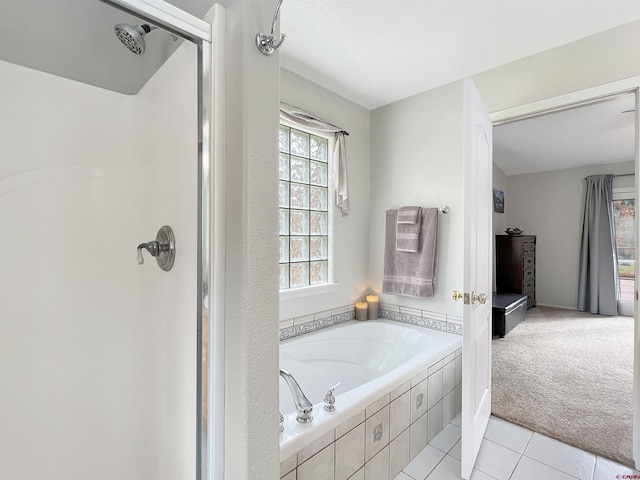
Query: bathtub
{"points": [[370, 359]]}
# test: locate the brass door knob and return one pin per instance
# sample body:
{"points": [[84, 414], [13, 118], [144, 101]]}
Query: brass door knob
{"points": [[481, 298], [456, 295]]}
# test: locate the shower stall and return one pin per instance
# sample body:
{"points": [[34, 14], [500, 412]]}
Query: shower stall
{"points": [[104, 362]]}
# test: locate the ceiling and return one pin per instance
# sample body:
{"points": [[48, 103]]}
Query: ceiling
{"points": [[594, 134], [375, 52], [75, 39], [372, 52]]}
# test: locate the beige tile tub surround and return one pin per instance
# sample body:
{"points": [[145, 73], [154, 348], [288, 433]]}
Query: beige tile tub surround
{"points": [[378, 442]]}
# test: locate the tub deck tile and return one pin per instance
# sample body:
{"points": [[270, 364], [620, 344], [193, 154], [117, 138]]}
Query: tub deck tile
{"points": [[434, 388], [289, 464], [399, 415], [434, 422], [449, 358], [399, 453], [395, 393], [434, 368], [448, 407], [449, 377], [377, 433], [419, 378], [378, 467], [315, 446], [419, 400], [418, 432], [359, 475], [290, 476], [320, 466], [350, 453], [378, 405], [348, 425]]}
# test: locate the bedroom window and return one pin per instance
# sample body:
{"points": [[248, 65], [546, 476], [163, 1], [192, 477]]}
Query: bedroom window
{"points": [[303, 208], [624, 214]]}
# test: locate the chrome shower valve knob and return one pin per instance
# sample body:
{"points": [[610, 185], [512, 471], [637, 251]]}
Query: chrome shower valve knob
{"points": [[163, 248], [152, 247]]}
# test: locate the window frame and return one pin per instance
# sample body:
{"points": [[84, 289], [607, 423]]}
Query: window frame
{"points": [[330, 285], [625, 193]]}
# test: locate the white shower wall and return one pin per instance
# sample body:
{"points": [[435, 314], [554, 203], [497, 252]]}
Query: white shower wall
{"points": [[97, 353]]}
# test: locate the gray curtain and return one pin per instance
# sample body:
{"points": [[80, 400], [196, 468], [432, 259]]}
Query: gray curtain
{"points": [[339, 181], [599, 282]]}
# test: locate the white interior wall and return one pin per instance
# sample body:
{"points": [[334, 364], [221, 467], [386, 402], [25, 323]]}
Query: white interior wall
{"points": [[416, 159], [97, 353], [499, 219], [350, 233], [251, 336], [550, 205], [595, 60]]}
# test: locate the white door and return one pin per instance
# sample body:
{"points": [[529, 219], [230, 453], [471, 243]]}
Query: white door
{"points": [[476, 343]]}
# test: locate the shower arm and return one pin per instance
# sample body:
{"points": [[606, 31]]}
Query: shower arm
{"points": [[268, 44]]}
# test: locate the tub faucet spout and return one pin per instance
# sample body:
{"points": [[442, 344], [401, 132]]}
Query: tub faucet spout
{"points": [[303, 406]]}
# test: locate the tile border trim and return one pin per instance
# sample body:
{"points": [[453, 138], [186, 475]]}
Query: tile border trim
{"points": [[294, 327], [309, 323], [422, 318]]}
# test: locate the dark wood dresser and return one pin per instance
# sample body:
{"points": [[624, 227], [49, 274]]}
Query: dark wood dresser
{"points": [[516, 266]]}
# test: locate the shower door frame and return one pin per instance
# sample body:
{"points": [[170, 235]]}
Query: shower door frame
{"points": [[209, 389]]}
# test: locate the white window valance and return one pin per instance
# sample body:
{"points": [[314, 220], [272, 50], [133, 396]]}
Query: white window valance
{"points": [[339, 180]]}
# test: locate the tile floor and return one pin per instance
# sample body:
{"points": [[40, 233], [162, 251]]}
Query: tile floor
{"points": [[510, 452]]}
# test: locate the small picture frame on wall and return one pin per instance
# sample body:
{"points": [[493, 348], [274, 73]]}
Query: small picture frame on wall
{"points": [[498, 201]]}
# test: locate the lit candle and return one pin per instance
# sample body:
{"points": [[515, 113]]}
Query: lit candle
{"points": [[361, 310], [372, 302]]}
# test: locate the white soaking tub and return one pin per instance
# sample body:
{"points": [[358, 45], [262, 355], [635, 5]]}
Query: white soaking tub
{"points": [[369, 358]]}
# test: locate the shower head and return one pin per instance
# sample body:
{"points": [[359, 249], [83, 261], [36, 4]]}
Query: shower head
{"points": [[132, 36]]}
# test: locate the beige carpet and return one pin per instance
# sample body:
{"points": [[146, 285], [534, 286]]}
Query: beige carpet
{"points": [[568, 375]]}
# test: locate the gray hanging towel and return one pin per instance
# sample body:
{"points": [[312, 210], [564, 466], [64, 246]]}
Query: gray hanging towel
{"points": [[411, 273], [408, 223]]}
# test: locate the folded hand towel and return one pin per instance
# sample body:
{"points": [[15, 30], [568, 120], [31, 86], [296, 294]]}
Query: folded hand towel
{"points": [[409, 220], [409, 215], [411, 273]]}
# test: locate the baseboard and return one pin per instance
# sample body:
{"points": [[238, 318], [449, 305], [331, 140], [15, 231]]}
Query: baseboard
{"points": [[628, 314], [563, 307]]}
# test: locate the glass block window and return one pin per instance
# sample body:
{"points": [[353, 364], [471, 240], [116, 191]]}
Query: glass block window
{"points": [[304, 208]]}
